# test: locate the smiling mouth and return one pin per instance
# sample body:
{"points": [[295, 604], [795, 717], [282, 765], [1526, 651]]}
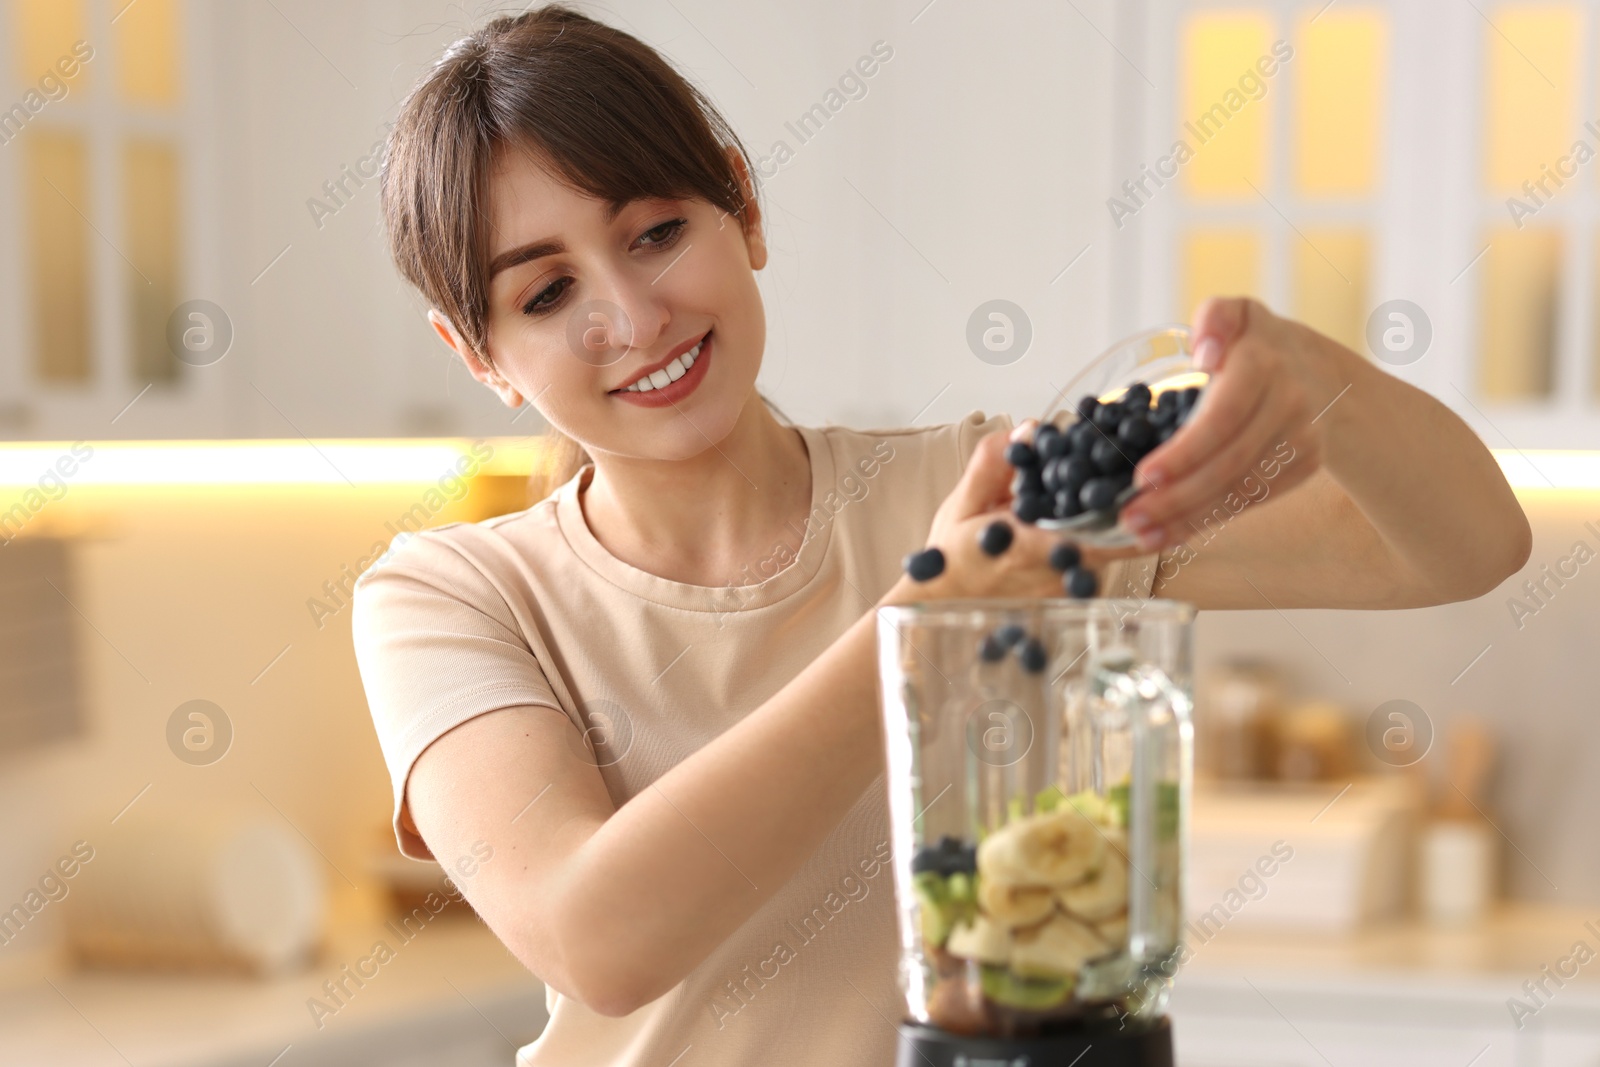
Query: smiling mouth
{"points": [[674, 369]]}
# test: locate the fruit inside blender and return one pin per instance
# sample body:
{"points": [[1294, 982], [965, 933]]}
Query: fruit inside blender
{"points": [[1029, 926]]}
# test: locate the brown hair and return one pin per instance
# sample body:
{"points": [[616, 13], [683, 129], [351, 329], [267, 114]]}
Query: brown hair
{"points": [[606, 112]]}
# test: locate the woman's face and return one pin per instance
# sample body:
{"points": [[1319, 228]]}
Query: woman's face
{"points": [[583, 303]]}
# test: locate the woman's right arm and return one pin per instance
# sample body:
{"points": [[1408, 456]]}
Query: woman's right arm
{"points": [[614, 906]]}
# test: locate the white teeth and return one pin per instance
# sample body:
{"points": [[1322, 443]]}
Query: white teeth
{"points": [[668, 374]]}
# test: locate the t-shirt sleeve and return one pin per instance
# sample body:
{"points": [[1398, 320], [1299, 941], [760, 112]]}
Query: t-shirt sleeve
{"points": [[436, 644], [974, 428]]}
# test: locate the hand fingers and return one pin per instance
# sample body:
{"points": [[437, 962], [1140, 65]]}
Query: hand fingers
{"points": [[1230, 401], [1023, 569], [986, 482], [1217, 323], [1169, 507]]}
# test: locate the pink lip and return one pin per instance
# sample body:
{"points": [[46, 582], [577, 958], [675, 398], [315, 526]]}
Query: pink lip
{"points": [[673, 392]]}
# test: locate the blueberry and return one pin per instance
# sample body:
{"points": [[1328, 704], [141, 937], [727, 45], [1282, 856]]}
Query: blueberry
{"points": [[1029, 481], [1021, 454], [1065, 556], [927, 858], [1050, 475], [1136, 433], [1106, 416], [1137, 397], [1080, 583], [1076, 470], [1167, 401], [996, 538], [1086, 407], [1098, 494], [925, 565], [1050, 443], [1190, 397], [990, 650], [1009, 634], [1108, 458], [1031, 507], [1031, 656], [1167, 432], [1066, 502], [1081, 438]]}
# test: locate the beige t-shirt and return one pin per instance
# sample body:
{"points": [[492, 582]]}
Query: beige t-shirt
{"points": [[530, 609]]}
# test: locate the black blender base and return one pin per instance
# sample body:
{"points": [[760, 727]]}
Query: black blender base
{"points": [[1150, 1045]]}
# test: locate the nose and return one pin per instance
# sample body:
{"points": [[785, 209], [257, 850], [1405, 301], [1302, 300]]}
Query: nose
{"points": [[631, 315]]}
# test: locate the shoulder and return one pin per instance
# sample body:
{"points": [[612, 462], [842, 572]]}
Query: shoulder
{"points": [[944, 447], [466, 560]]}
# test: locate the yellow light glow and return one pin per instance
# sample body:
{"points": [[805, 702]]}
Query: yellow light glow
{"points": [[415, 462], [1550, 469], [279, 462]]}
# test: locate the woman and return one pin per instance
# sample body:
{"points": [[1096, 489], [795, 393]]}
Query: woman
{"points": [[650, 698]]}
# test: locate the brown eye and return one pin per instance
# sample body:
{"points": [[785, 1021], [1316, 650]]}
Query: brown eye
{"points": [[664, 234], [546, 297]]}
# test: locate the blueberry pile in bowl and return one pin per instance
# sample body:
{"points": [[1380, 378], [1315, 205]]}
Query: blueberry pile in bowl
{"points": [[1076, 478]]}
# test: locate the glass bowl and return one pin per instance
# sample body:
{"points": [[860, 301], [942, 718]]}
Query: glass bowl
{"points": [[1160, 358]]}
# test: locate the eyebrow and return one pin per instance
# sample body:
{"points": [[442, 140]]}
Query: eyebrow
{"points": [[549, 247]]}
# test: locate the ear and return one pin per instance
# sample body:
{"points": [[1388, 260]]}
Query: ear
{"points": [[754, 239], [475, 367]]}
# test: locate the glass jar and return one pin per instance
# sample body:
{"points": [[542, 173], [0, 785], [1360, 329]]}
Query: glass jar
{"points": [[1039, 806]]}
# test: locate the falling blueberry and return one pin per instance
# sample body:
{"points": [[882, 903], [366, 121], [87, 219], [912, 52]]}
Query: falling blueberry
{"points": [[1065, 556], [990, 649], [925, 565], [1080, 583], [996, 538], [1031, 656], [1009, 634]]}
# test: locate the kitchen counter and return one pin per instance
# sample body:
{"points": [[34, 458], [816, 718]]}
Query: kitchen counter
{"points": [[451, 995], [1400, 993]]}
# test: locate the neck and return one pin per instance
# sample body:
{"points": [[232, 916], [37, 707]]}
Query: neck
{"points": [[702, 520]]}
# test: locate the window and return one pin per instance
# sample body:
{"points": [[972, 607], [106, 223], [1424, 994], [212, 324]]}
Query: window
{"points": [[91, 167], [1447, 154], [1282, 114]]}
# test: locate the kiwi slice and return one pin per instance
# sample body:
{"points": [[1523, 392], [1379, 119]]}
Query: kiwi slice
{"points": [[1028, 994]]}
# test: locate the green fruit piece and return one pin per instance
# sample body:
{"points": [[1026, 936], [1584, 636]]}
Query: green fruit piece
{"points": [[937, 911], [1014, 809], [1117, 799], [1029, 994], [1048, 799]]}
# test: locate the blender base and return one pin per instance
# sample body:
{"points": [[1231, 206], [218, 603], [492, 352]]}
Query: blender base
{"points": [[1148, 1046]]}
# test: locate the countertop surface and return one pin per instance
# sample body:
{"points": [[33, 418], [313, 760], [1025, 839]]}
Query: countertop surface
{"points": [[455, 983], [452, 982]]}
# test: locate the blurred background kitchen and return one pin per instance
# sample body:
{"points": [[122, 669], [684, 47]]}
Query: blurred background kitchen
{"points": [[219, 404]]}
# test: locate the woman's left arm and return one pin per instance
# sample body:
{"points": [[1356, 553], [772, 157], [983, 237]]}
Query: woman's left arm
{"points": [[1380, 496]]}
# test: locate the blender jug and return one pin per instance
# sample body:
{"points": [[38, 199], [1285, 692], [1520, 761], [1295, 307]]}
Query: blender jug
{"points": [[1039, 824]]}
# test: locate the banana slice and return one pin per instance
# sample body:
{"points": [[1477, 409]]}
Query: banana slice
{"points": [[1055, 950], [1114, 930], [982, 940], [1014, 905], [1059, 848], [1101, 897]]}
